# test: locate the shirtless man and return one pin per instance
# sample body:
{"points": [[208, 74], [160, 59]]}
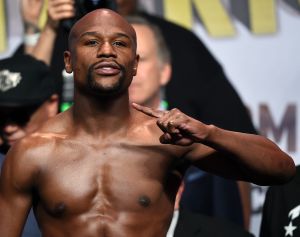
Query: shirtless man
{"points": [[106, 168]]}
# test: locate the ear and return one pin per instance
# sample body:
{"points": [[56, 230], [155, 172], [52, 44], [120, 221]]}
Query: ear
{"points": [[136, 63], [67, 60], [165, 74]]}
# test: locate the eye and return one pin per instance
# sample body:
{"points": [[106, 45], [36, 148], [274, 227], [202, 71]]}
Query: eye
{"points": [[119, 43], [91, 42]]}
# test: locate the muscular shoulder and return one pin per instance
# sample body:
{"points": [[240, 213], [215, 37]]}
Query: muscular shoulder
{"points": [[21, 164], [27, 157], [145, 128], [36, 146]]}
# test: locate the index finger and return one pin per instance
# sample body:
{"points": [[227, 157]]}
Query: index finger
{"points": [[149, 111]]}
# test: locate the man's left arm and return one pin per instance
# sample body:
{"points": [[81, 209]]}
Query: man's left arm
{"points": [[241, 156]]}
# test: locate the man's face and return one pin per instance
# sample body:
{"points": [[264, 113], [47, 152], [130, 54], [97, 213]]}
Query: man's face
{"points": [[152, 73], [102, 54]]}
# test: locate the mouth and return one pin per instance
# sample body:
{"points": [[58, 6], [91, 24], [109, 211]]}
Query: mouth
{"points": [[107, 68], [10, 141]]}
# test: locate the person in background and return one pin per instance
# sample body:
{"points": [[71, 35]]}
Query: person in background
{"points": [[154, 71], [147, 89], [27, 99], [202, 91], [281, 211]]}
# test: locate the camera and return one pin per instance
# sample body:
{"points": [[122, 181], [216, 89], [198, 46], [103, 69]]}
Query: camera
{"points": [[84, 6]]}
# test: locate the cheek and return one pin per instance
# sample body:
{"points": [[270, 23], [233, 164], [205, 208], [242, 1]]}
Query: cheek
{"points": [[143, 68], [37, 119], [148, 75], [83, 59], [19, 133], [147, 69]]}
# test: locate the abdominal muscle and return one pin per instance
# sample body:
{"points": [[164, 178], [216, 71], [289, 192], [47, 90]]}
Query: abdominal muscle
{"points": [[130, 226]]}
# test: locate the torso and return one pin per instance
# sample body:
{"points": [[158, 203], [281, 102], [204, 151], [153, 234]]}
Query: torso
{"points": [[114, 186]]}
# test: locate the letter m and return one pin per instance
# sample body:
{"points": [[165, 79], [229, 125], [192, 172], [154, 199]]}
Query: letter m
{"points": [[288, 125]]}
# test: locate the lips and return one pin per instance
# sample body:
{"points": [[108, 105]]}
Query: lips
{"points": [[12, 139], [107, 68]]}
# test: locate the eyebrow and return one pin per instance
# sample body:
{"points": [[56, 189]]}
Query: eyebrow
{"points": [[94, 33]]}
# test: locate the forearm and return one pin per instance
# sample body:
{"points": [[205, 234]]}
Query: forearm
{"points": [[261, 160], [31, 36], [58, 10], [44, 48]]}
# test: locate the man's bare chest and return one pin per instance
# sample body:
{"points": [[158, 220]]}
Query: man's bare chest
{"points": [[105, 178]]}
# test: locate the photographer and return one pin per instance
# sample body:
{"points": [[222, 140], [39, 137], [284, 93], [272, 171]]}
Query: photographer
{"points": [[27, 99]]}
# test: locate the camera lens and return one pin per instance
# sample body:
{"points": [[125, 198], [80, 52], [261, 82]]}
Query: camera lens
{"points": [[91, 5]]}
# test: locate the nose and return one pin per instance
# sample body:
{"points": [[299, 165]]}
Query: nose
{"points": [[11, 133], [106, 50], [10, 128]]}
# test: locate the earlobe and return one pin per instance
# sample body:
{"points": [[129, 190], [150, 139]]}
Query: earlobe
{"points": [[134, 71], [67, 60]]}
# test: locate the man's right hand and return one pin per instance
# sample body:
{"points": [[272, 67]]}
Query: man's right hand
{"points": [[177, 127]]}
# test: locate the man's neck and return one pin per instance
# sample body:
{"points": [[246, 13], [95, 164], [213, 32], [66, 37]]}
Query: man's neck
{"points": [[102, 115]]}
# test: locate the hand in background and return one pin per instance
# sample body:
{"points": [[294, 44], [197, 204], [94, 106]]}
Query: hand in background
{"points": [[30, 11], [59, 10]]}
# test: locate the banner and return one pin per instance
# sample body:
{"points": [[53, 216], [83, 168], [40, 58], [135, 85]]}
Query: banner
{"points": [[3, 37]]}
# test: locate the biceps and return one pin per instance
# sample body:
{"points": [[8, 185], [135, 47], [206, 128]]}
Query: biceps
{"points": [[212, 161], [14, 208]]}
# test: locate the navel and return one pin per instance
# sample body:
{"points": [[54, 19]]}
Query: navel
{"points": [[144, 201]]}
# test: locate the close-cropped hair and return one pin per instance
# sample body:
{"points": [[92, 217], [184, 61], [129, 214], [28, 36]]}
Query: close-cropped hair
{"points": [[163, 51]]}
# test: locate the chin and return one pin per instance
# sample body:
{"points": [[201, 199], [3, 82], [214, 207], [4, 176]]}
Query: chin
{"points": [[98, 88], [105, 86]]}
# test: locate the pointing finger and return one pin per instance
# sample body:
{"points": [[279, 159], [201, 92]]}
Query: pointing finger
{"points": [[148, 111]]}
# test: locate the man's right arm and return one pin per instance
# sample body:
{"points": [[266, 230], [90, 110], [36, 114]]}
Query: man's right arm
{"points": [[16, 182]]}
